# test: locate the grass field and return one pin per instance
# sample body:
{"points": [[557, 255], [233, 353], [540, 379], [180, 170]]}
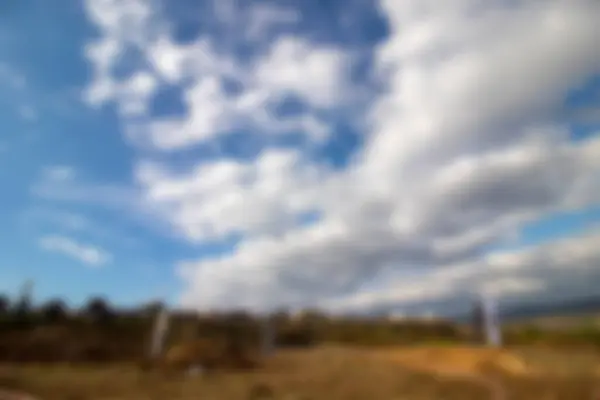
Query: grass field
{"points": [[335, 373], [562, 323]]}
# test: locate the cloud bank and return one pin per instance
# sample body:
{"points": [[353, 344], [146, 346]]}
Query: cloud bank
{"points": [[459, 115]]}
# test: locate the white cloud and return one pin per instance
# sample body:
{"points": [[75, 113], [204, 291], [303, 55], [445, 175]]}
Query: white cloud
{"points": [[209, 114], [545, 271], [136, 93], [87, 254], [177, 62], [229, 196], [124, 25], [460, 81], [58, 173], [36, 220], [462, 148], [295, 66], [285, 66], [263, 18], [291, 67]]}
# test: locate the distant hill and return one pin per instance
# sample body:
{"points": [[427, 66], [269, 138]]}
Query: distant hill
{"points": [[572, 307], [581, 306]]}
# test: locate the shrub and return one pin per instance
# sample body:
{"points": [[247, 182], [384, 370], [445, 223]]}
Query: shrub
{"points": [[54, 311]]}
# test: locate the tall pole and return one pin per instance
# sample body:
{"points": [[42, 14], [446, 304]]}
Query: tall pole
{"points": [[160, 329], [493, 335], [26, 294]]}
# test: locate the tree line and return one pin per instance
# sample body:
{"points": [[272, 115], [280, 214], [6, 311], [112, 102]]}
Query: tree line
{"points": [[97, 331]]}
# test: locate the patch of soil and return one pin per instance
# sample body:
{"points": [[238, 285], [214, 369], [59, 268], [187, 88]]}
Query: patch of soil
{"points": [[453, 361]]}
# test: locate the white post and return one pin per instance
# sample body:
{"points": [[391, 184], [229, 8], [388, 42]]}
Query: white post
{"points": [[493, 333], [160, 329], [26, 295]]}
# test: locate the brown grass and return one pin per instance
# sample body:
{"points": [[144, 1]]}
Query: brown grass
{"points": [[211, 354], [456, 360], [328, 373]]}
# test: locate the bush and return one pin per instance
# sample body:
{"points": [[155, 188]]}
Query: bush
{"points": [[99, 312], [295, 337], [4, 305], [54, 311]]}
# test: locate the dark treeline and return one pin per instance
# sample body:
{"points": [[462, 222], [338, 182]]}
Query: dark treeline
{"points": [[99, 332]]}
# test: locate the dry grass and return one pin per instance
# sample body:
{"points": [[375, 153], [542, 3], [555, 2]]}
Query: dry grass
{"points": [[453, 361], [525, 362], [328, 373], [558, 322]]}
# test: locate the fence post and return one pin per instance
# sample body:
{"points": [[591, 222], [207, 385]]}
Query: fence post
{"points": [[493, 333], [159, 332]]}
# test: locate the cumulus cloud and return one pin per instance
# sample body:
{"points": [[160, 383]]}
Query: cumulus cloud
{"points": [[263, 18], [232, 197], [549, 272], [87, 254], [294, 66], [290, 66], [463, 145]]}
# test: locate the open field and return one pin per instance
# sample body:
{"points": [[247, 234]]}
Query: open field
{"points": [[559, 322], [49, 354], [335, 373]]}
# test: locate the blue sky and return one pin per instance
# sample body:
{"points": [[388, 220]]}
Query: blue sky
{"points": [[350, 155]]}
